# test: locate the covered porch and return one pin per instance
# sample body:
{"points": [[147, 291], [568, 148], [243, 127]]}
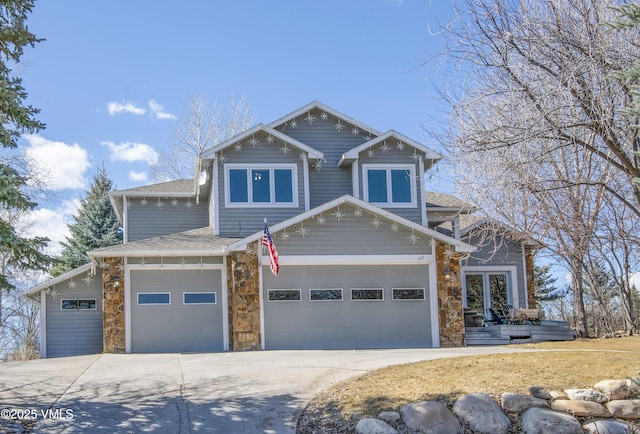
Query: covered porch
{"points": [[504, 334]]}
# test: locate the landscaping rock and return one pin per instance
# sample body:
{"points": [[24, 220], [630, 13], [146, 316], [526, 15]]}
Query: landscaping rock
{"points": [[430, 417], [614, 389], [557, 394], [609, 426], [545, 421], [625, 409], [482, 414], [540, 392], [517, 403], [586, 395], [389, 416], [580, 408], [634, 386], [374, 426]]}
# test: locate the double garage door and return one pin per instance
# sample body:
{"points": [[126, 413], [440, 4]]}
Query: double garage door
{"points": [[345, 307], [176, 311]]}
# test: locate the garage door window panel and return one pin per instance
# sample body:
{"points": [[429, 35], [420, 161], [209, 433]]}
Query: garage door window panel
{"points": [[334, 294], [409, 294], [199, 298], [367, 294], [278, 295], [154, 298]]}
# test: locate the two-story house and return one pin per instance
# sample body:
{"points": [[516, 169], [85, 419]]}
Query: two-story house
{"points": [[361, 264]]}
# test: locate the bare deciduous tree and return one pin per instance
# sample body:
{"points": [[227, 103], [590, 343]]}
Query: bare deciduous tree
{"points": [[203, 125]]}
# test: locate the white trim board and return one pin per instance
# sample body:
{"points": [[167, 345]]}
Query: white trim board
{"points": [[352, 259]]}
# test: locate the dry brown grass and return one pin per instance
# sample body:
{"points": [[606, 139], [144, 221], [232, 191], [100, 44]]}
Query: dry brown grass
{"points": [[559, 365]]}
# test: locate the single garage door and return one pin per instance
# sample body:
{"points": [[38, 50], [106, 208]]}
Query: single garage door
{"points": [[176, 311], [345, 307]]}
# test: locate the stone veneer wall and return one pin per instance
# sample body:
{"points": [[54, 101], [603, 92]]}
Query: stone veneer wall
{"points": [[531, 282], [450, 316], [244, 300], [113, 306]]}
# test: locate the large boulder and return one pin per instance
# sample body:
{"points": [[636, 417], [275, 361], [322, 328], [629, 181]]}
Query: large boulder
{"points": [[586, 395], [614, 389], [580, 408], [625, 409], [374, 426], [544, 421], [609, 426], [430, 417], [482, 413], [517, 403]]}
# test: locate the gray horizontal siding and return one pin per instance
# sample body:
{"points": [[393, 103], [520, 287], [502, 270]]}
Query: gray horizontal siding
{"points": [[330, 181], [394, 156], [348, 324], [506, 253], [148, 221], [240, 222], [350, 236], [70, 332]]}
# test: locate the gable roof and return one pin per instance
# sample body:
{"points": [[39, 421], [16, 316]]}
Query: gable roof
{"points": [[331, 111], [196, 242], [459, 245], [61, 278], [210, 153], [352, 154], [445, 202]]}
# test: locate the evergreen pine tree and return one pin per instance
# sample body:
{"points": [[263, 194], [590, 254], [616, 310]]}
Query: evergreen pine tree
{"points": [[95, 226], [546, 289]]}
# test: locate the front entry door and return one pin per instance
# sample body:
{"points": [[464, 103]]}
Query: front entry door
{"points": [[488, 290]]}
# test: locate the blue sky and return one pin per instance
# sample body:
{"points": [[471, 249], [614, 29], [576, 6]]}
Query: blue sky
{"points": [[112, 76]]}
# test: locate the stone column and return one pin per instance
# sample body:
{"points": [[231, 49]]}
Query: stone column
{"points": [[244, 300], [531, 280], [113, 338], [450, 315]]}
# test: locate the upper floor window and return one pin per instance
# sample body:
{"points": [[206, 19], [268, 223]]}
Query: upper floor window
{"points": [[264, 185], [391, 186]]}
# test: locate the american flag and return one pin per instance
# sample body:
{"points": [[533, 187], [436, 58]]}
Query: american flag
{"points": [[273, 253]]}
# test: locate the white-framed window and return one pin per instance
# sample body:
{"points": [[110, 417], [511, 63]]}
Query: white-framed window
{"points": [[267, 185], [154, 298], [78, 304], [281, 295], [367, 294], [390, 186], [333, 294], [199, 298], [407, 294]]}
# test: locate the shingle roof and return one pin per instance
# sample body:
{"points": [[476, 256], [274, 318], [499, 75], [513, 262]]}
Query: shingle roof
{"points": [[194, 242], [184, 186], [443, 200]]}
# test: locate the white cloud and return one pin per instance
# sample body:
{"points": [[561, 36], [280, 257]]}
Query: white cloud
{"points": [[138, 176], [65, 164], [52, 223], [132, 152], [115, 107], [157, 111]]}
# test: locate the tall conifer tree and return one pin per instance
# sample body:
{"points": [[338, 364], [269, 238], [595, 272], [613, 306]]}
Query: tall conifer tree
{"points": [[95, 226]]}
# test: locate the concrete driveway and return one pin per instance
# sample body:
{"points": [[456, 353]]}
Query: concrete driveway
{"points": [[251, 392]]}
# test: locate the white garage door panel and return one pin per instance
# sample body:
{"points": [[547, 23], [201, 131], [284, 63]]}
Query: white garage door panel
{"points": [[347, 324], [176, 327]]}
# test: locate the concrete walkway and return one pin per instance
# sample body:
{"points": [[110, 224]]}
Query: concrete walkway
{"points": [[251, 392]]}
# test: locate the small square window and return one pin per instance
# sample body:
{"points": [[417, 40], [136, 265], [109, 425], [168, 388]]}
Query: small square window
{"points": [[78, 304], [390, 186]]}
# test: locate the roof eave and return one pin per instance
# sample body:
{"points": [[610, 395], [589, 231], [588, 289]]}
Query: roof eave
{"points": [[61, 278]]}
